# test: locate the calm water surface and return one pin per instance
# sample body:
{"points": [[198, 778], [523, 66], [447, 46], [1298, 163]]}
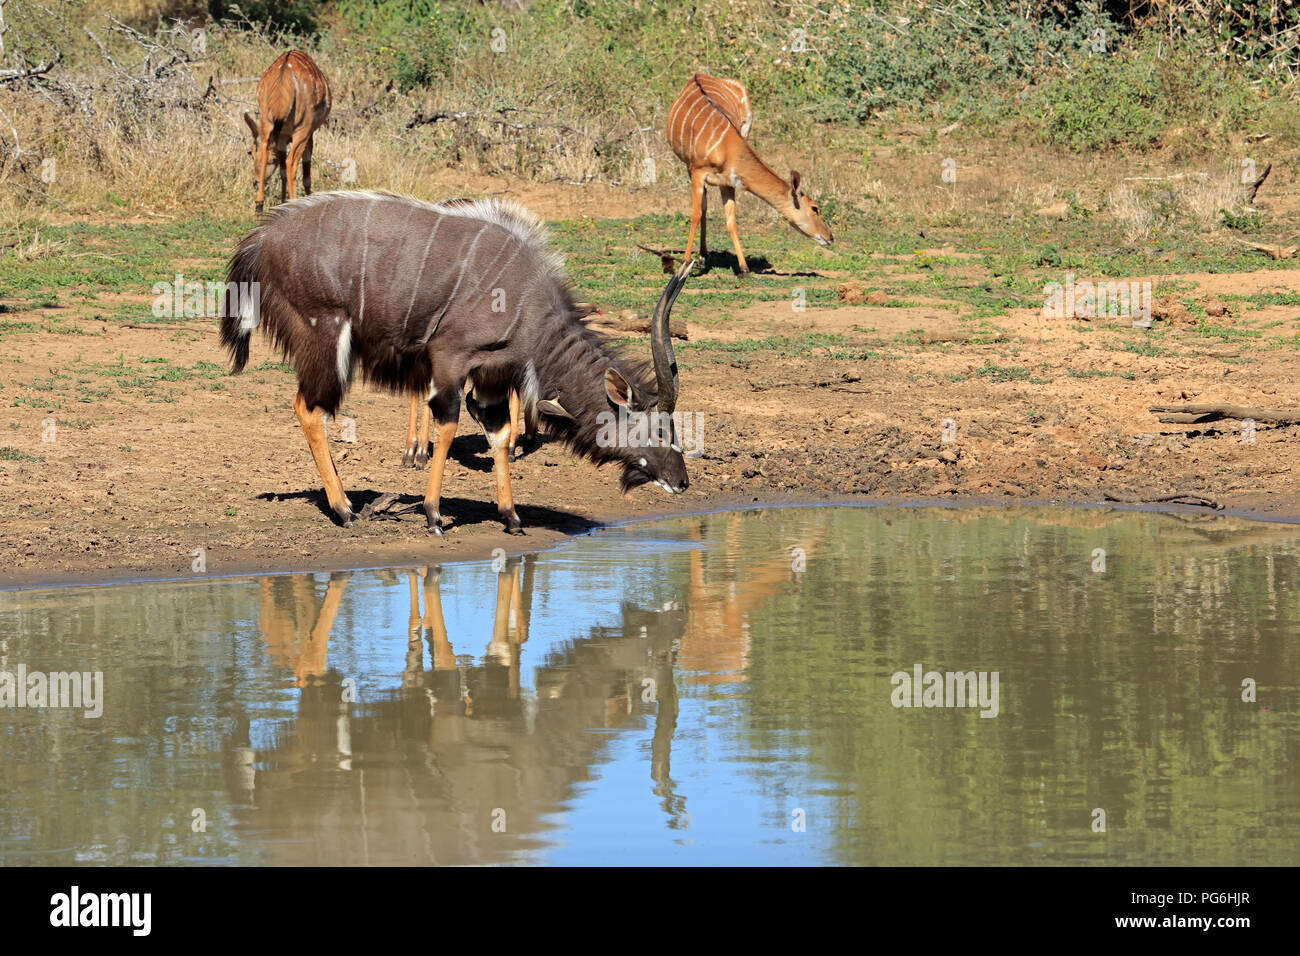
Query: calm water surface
{"points": [[692, 691]]}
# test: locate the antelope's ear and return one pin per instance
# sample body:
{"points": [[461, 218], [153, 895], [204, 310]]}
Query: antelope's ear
{"points": [[796, 186], [252, 123], [619, 390], [552, 406]]}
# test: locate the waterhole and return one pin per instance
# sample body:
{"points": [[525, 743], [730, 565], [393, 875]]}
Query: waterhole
{"points": [[877, 685]]}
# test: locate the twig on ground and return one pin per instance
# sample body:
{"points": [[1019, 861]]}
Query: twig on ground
{"points": [[1186, 499]]}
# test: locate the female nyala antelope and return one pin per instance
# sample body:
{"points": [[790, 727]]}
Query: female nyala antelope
{"points": [[438, 298], [293, 101], [417, 441], [707, 128]]}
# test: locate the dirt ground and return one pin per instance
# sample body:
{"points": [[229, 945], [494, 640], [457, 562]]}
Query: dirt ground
{"points": [[135, 490]]}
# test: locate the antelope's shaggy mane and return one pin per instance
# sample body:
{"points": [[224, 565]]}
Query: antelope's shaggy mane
{"points": [[511, 216]]}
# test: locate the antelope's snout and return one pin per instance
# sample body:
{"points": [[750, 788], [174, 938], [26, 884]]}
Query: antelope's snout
{"points": [[672, 477]]}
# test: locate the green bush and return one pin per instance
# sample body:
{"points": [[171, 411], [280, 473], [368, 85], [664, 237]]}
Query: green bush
{"points": [[300, 17]]}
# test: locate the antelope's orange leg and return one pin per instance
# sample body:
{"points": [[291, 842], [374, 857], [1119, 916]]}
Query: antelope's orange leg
{"points": [[444, 656], [499, 646], [729, 210], [514, 424], [697, 208], [422, 444], [263, 157], [499, 441], [306, 167], [313, 426], [704, 223], [280, 159], [408, 459], [311, 663], [296, 148], [446, 431]]}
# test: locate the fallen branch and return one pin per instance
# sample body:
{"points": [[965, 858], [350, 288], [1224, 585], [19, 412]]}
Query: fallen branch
{"points": [[1254, 187], [1182, 499], [844, 379], [9, 76], [641, 323], [1275, 251], [159, 326], [1195, 414], [930, 338], [388, 506], [667, 257]]}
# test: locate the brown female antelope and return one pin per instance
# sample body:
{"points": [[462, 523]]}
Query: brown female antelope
{"points": [[707, 127], [417, 441], [293, 101], [343, 281]]}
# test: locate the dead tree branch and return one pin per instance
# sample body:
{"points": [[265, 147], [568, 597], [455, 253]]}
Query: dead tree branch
{"points": [[1209, 412]]}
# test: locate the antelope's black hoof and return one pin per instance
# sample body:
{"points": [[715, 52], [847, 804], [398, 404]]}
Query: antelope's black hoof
{"points": [[257, 209], [742, 273], [415, 457], [513, 526], [435, 521], [345, 517]]}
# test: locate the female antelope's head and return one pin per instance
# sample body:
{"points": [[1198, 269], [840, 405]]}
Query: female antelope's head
{"points": [[805, 215]]}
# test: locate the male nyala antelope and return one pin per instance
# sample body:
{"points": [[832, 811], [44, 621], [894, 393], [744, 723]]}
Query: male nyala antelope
{"points": [[707, 128], [441, 298], [293, 101]]}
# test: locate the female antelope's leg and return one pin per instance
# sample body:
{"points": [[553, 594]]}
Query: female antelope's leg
{"points": [[417, 449], [296, 147], [312, 421], [446, 407], [408, 459], [514, 424], [413, 671], [280, 160], [697, 206], [306, 167], [704, 223], [263, 157], [729, 209], [422, 443]]}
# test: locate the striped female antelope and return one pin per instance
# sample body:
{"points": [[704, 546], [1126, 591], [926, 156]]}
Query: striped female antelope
{"points": [[293, 101], [344, 282], [707, 128]]}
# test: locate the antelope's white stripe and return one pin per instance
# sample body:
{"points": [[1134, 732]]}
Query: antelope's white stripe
{"points": [[365, 249], [415, 286], [249, 309], [343, 357]]}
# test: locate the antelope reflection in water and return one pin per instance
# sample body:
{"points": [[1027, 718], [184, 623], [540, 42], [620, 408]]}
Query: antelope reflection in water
{"points": [[416, 774]]}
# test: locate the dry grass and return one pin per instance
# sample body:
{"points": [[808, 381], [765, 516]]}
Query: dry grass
{"points": [[1196, 198], [150, 125]]}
